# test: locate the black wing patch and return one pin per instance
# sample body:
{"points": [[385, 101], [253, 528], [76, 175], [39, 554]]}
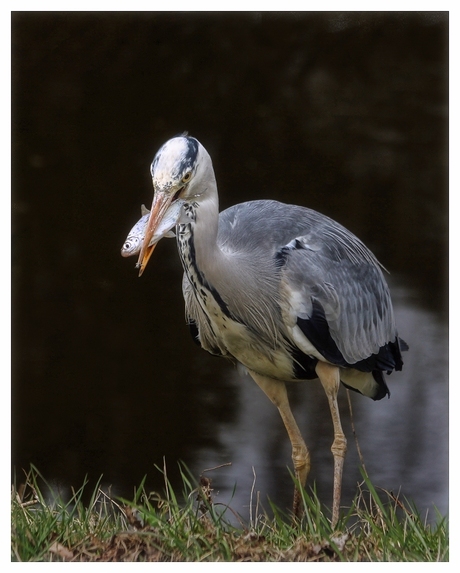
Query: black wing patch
{"points": [[316, 329], [304, 365]]}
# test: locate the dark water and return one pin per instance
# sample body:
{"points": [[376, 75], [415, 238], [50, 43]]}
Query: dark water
{"points": [[344, 113]]}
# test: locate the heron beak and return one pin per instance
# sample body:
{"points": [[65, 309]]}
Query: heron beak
{"points": [[161, 202]]}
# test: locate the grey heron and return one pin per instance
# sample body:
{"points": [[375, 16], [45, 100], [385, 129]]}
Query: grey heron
{"points": [[282, 289]]}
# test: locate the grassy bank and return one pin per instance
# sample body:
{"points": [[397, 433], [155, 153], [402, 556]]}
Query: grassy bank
{"points": [[191, 527]]}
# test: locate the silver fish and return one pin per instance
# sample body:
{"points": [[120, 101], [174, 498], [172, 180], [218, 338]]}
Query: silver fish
{"points": [[133, 242]]}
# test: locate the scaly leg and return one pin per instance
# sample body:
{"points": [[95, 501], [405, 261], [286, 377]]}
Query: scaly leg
{"points": [[276, 391], [330, 379]]}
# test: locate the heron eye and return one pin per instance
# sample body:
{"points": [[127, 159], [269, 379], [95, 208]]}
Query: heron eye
{"points": [[186, 178]]}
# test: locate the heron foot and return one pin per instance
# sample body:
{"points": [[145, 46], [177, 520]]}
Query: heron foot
{"points": [[301, 461]]}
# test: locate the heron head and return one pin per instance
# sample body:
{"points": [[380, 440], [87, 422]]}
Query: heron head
{"points": [[179, 172]]}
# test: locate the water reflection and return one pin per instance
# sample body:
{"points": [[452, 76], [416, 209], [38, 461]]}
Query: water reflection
{"points": [[404, 440]]}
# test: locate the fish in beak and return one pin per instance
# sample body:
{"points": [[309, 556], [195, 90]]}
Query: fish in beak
{"points": [[164, 215], [133, 242]]}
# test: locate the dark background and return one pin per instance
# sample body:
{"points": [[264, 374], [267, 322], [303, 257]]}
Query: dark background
{"points": [[346, 113]]}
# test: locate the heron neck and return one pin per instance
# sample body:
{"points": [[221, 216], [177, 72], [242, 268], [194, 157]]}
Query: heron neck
{"points": [[205, 228]]}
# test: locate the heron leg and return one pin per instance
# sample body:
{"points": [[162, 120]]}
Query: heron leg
{"points": [[329, 376], [276, 391]]}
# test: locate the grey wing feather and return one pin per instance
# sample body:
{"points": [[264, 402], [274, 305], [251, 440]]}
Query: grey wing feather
{"points": [[322, 265], [354, 298], [334, 275]]}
